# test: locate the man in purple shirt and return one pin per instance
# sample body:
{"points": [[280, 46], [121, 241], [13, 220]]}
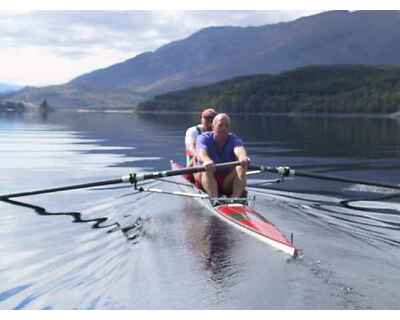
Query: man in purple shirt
{"points": [[216, 146]]}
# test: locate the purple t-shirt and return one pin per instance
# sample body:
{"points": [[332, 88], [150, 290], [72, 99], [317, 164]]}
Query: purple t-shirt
{"points": [[218, 154]]}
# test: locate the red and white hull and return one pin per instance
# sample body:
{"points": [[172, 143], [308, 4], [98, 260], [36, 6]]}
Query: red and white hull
{"points": [[242, 217]]}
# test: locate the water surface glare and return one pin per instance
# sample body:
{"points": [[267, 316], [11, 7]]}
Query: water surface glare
{"points": [[115, 248]]}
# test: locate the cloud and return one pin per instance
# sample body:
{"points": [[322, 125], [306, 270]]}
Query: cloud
{"points": [[75, 38], [38, 66], [124, 30]]}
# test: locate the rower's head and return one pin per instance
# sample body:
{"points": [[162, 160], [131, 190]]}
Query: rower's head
{"points": [[221, 126], [207, 117]]}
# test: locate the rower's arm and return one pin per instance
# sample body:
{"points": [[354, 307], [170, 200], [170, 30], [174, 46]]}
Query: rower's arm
{"points": [[190, 141], [241, 155], [191, 146], [240, 152], [202, 154]]}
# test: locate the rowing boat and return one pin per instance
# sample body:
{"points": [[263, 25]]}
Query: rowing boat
{"points": [[238, 215], [234, 212]]}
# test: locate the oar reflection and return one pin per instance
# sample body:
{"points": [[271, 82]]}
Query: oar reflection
{"points": [[132, 231]]}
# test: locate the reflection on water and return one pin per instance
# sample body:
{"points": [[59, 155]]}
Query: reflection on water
{"points": [[311, 136], [131, 232], [116, 248], [49, 258], [212, 240]]}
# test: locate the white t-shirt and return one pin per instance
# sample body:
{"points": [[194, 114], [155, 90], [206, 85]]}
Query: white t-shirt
{"points": [[191, 134]]}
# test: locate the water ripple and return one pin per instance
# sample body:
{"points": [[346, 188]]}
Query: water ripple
{"points": [[49, 252], [73, 264], [372, 221]]}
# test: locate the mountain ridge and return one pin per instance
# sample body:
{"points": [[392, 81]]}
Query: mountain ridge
{"points": [[219, 53]]}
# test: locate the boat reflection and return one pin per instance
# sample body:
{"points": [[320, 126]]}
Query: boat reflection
{"points": [[213, 241]]}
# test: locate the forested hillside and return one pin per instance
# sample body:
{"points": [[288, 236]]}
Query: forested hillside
{"points": [[332, 89]]}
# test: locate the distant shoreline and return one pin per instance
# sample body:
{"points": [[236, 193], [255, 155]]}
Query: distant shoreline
{"points": [[272, 114], [291, 114]]}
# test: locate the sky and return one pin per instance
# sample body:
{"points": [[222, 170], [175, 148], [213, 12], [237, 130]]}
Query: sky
{"points": [[39, 48]]}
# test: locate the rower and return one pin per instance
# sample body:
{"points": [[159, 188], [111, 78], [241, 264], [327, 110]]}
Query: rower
{"points": [[207, 116], [220, 145]]}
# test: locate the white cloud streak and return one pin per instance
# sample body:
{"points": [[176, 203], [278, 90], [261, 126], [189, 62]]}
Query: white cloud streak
{"points": [[49, 47]]}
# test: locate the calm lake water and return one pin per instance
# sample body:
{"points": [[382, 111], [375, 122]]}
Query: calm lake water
{"points": [[114, 248]]}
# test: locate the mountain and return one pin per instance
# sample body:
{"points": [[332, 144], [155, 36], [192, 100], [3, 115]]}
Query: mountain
{"points": [[316, 89], [219, 53], [7, 88], [71, 96]]}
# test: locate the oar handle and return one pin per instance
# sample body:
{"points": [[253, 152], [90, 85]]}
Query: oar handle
{"points": [[177, 172]]}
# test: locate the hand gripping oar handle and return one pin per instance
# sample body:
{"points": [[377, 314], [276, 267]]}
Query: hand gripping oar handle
{"points": [[131, 178], [177, 172], [286, 171]]}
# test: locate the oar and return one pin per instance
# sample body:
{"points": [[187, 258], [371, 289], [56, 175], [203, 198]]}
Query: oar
{"points": [[132, 178], [287, 171]]}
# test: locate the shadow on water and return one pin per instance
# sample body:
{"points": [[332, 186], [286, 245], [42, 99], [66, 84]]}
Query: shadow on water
{"points": [[132, 232], [218, 254], [215, 243]]}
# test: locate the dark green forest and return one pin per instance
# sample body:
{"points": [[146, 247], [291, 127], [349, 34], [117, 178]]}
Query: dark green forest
{"points": [[316, 89]]}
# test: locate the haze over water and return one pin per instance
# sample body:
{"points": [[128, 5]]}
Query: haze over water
{"points": [[113, 248]]}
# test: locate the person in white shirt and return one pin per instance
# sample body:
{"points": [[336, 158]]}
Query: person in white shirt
{"points": [[207, 117]]}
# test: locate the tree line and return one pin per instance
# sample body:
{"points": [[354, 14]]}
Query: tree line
{"points": [[315, 89]]}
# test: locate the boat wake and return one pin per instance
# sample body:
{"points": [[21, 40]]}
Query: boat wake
{"points": [[375, 221], [87, 258]]}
